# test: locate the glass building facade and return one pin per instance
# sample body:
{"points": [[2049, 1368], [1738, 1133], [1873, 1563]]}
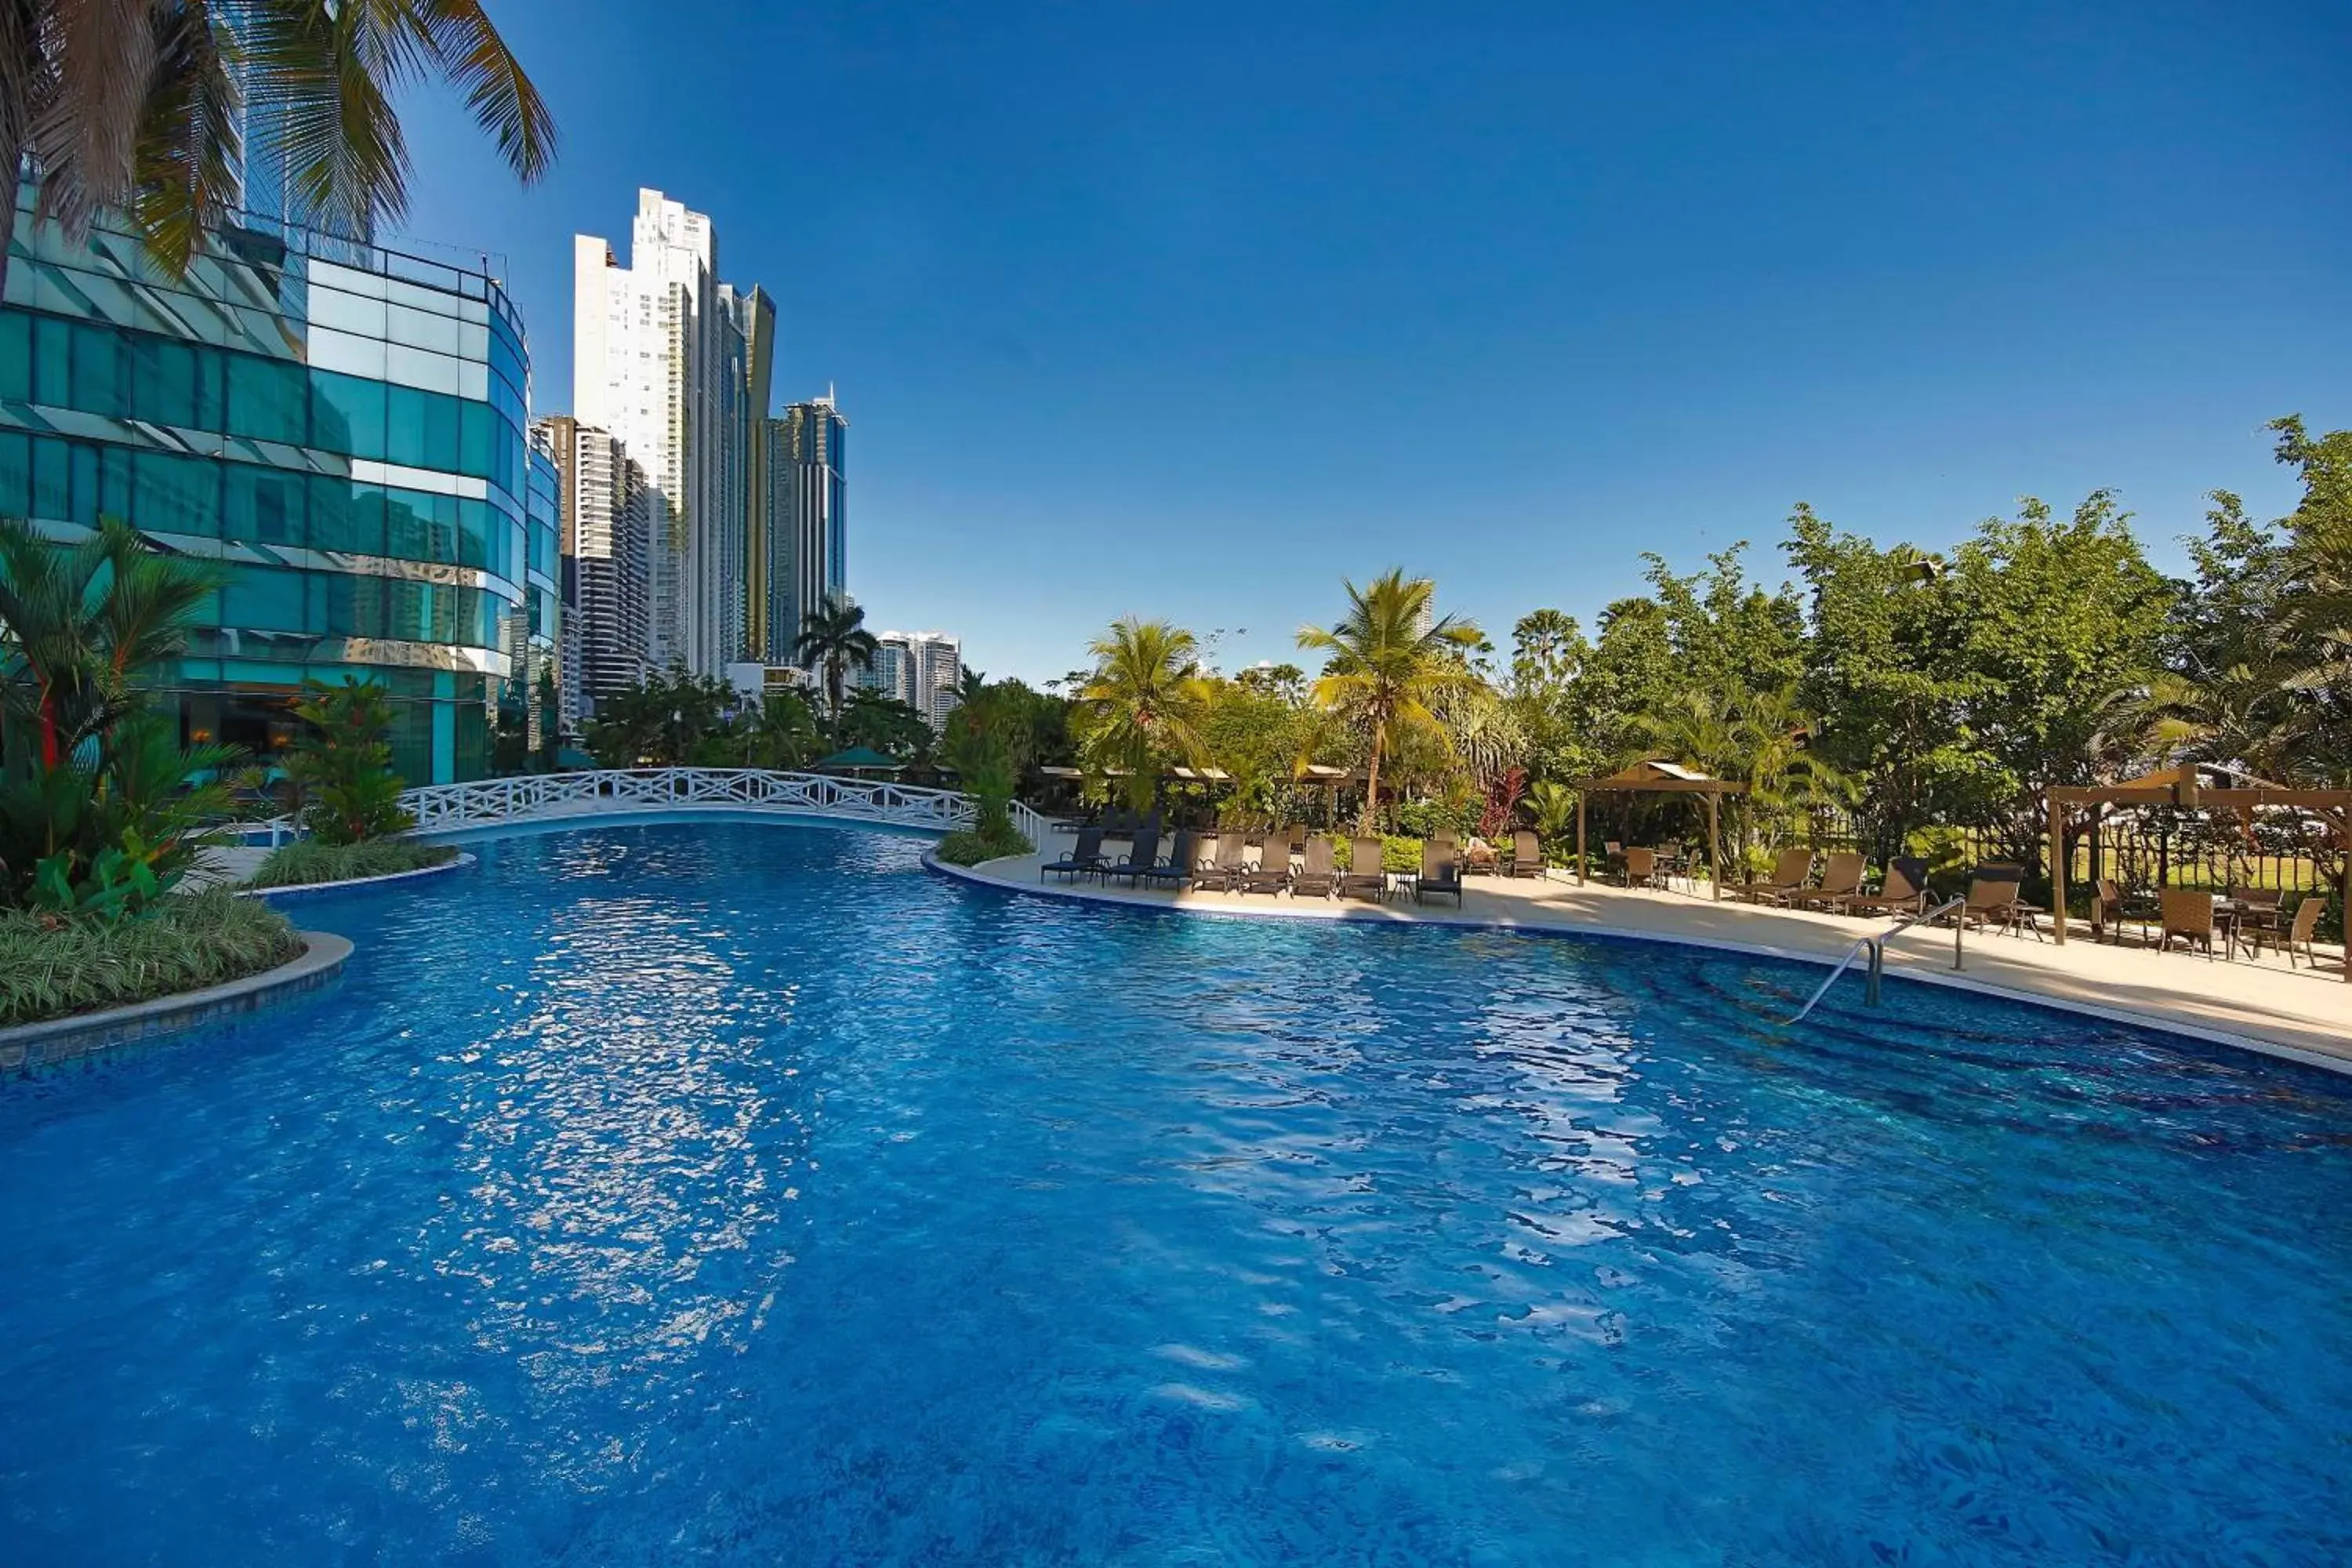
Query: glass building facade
{"points": [[339, 434]]}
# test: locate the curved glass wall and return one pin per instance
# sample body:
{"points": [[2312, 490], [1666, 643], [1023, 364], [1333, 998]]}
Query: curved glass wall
{"points": [[341, 433]]}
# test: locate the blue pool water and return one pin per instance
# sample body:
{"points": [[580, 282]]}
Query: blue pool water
{"points": [[678, 1193]]}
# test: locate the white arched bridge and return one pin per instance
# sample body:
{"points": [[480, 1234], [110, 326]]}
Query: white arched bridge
{"points": [[611, 793]]}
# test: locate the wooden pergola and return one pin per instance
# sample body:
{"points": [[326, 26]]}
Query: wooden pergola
{"points": [[2181, 787], [1663, 778]]}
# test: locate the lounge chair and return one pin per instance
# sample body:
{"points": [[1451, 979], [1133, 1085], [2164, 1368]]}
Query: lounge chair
{"points": [[1316, 879], [1992, 902], [1788, 875], [2299, 931], [1365, 878], [1178, 869], [2187, 915], [1141, 858], [1223, 874], [1271, 872], [1085, 858], [1841, 880], [1441, 873], [1905, 890], [1478, 859], [1526, 854]]}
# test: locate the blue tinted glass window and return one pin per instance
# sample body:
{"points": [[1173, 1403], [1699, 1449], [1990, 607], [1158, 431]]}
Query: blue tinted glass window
{"points": [[266, 400], [408, 525], [347, 415], [477, 437], [114, 493], [164, 380], [98, 378], [263, 598], [83, 508], [346, 518], [16, 355], [354, 606], [15, 474], [52, 362], [176, 495], [265, 505], [52, 479], [405, 434]]}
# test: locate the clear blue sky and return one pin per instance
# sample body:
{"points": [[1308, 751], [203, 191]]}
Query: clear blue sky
{"points": [[1189, 310]]}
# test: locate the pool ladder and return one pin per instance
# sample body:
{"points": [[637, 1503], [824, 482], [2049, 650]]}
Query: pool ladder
{"points": [[1877, 947]]}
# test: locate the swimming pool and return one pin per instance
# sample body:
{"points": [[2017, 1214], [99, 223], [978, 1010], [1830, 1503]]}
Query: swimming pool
{"points": [[673, 1194]]}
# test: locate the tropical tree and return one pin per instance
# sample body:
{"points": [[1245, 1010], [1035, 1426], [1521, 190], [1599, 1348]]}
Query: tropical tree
{"points": [[1387, 660], [132, 106], [833, 635], [75, 623], [883, 724], [1144, 706], [341, 762]]}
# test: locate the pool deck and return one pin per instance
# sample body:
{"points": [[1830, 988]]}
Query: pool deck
{"points": [[2301, 1012]]}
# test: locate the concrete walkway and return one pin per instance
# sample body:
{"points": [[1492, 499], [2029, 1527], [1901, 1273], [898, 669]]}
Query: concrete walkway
{"points": [[2298, 1011]]}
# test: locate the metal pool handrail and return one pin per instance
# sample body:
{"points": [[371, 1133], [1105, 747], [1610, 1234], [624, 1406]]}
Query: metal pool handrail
{"points": [[1877, 947]]}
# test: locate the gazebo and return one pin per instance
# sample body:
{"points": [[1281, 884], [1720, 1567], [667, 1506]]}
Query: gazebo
{"points": [[2181, 787], [857, 761], [1663, 778]]}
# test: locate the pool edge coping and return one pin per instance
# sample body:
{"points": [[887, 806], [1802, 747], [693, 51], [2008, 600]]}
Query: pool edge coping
{"points": [[2277, 1049], [24, 1046], [296, 889]]}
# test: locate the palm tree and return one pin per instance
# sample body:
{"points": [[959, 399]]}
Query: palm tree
{"points": [[132, 106], [834, 635], [1145, 704], [75, 623], [1390, 660]]}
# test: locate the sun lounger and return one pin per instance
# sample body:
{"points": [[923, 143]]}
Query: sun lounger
{"points": [[1905, 891], [1788, 875], [1085, 858], [1992, 902], [1441, 873], [1224, 873], [1178, 869], [1316, 879], [1526, 854], [1141, 858], [1841, 880], [1364, 877], [1271, 872]]}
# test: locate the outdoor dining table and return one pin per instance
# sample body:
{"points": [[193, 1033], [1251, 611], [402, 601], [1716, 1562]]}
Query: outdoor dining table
{"points": [[2244, 921]]}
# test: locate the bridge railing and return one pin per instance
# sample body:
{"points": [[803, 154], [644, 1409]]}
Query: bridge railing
{"points": [[440, 808]]}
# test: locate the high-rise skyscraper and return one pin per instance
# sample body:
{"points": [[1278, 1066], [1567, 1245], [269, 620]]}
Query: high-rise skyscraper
{"points": [[806, 538], [661, 361], [606, 537], [922, 669]]}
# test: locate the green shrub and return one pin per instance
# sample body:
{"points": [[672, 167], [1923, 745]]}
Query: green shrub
{"points": [[50, 967], [341, 762], [990, 841], [308, 861]]}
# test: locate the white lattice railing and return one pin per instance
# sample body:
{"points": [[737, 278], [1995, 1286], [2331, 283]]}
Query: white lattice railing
{"points": [[440, 808]]}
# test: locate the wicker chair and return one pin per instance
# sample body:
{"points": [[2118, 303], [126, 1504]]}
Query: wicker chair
{"points": [[2189, 917]]}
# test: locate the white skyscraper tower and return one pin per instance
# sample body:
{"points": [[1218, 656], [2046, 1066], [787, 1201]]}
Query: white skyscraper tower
{"points": [[660, 362]]}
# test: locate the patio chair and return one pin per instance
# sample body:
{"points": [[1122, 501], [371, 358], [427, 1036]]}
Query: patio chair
{"points": [[1840, 881], [1142, 856], [1789, 874], [1441, 873], [1365, 876], [1177, 869], [1641, 867], [1905, 890], [1316, 879], [1527, 853], [1271, 872], [2300, 930], [1085, 858], [2188, 916]]}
